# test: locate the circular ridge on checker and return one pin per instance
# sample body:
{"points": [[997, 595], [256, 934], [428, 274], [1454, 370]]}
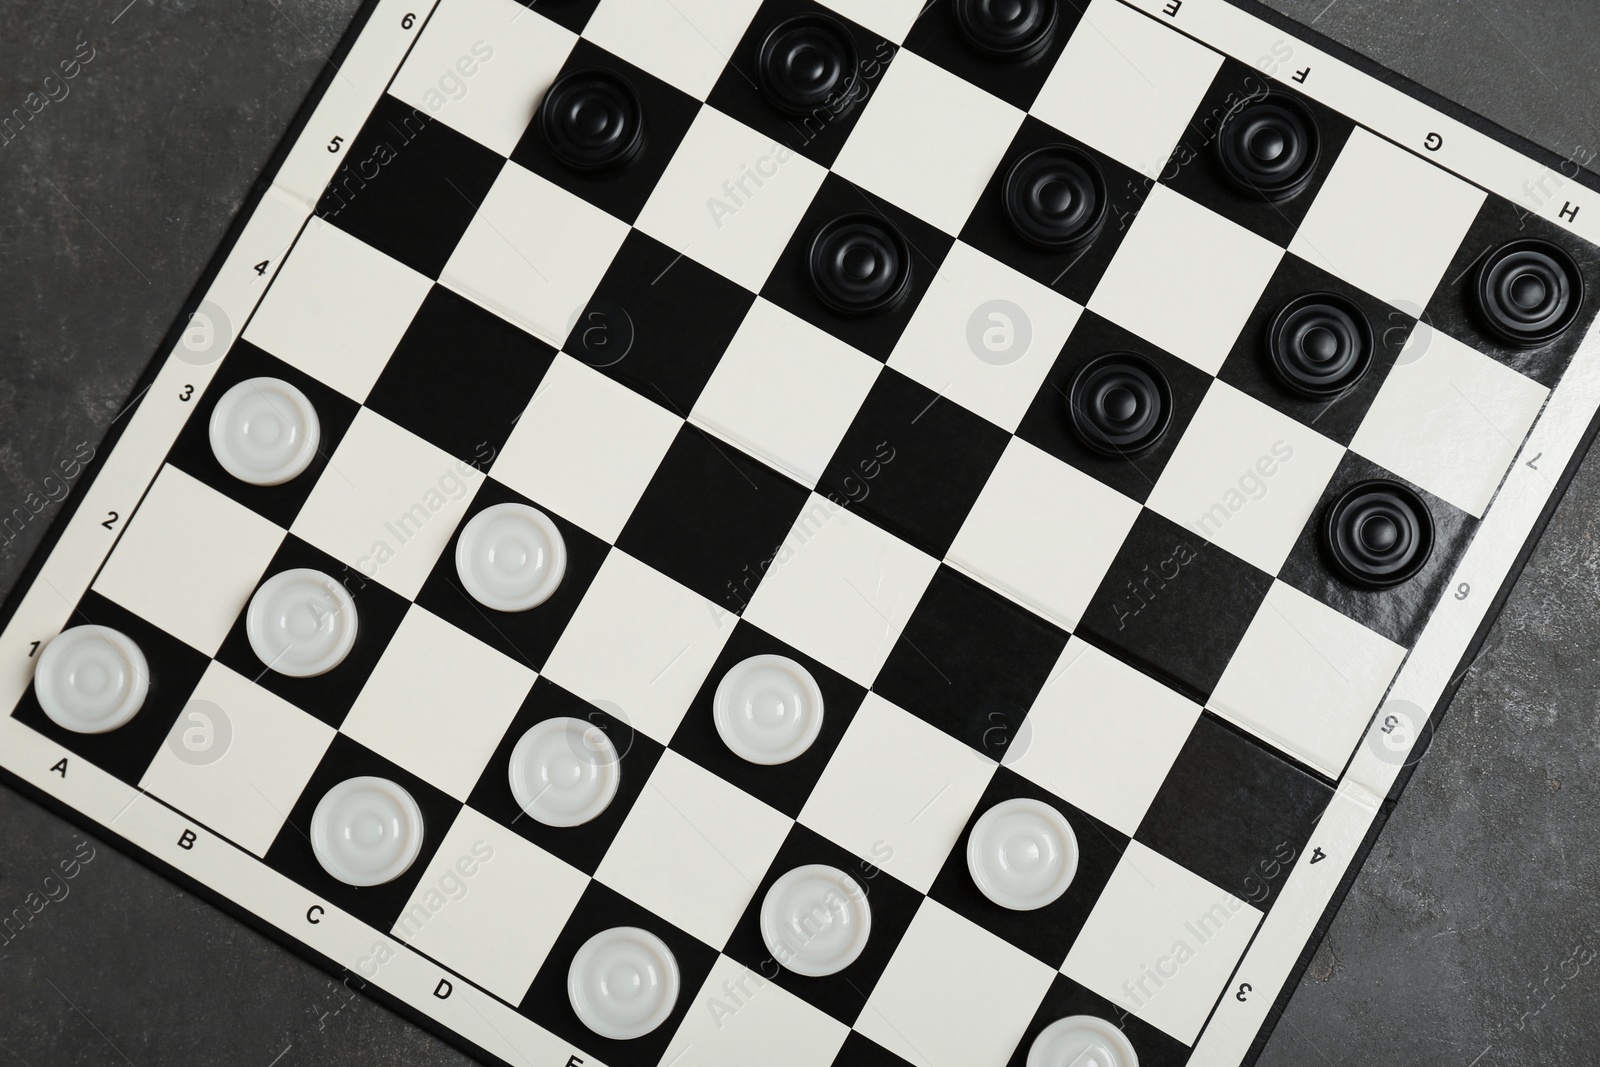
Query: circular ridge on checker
{"points": [[592, 120], [1055, 197], [1378, 533], [511, 557], [1014, 30], [1120, 404], [264, 431], [564, 771], [302, 623], [768, 709], [1320, 345], [1022, 854], [1270, 145], [623, 983], [1082, 1041], [859, 264], [1528, 292], [366, 831], [809, 63], [815, 920], [91, 679]]}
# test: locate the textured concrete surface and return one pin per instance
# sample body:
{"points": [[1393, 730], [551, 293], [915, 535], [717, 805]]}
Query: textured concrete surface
{"points": [[1462, 942]]}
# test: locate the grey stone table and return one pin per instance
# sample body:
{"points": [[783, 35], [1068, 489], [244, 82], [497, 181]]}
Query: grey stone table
{"points": [[1458, 944]]}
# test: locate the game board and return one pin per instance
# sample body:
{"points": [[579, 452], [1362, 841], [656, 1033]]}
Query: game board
{"points": [[724, 531]]}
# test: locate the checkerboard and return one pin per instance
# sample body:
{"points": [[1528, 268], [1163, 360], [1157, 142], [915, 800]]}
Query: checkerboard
{"points": [[1157, 647]]}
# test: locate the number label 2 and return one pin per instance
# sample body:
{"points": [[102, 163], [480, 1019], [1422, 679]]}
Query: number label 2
{"points": [[111, 520]]}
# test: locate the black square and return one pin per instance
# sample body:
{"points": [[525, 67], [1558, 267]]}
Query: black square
{"points": [[859, 1050], [1234, 812], [1248, 367], [785, 786], [330, 696], [526, 636], [970, 662], [936, 36], [1048, 423], [600, 908], [893, 905], [1453, 307], [1194, 169], [821, 135], [1066, 998], [460, 377], [1076, 273], [175, 670], [712, 518], [1174, 606], [659, 322], [582, 846], [409, 185], [790, 287], [622, 190], [913, 462], [571, 14], [1046, 933], [1398, 613], [192, 454], [379, 906]]}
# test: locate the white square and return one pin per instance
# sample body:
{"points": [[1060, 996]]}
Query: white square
{"points": [[954, 995], [337, 309], [1450, 419], [586, 447], [900, 788], [1102, 735], [786, 391], [438, 702], [892, 18], [742, 1013], [685, 43], [534, 253], [245, 759], [693, 849], [189, 560], [387, 503], [482, 67], [841, 589], [1246, 476], [1043, 532], [642, 642], [989, 338], [490, 905], [1161, 942], [1306, 678], [1127, 85], [1387, 221], [731, 198], [1186, 279], [920, 122]]}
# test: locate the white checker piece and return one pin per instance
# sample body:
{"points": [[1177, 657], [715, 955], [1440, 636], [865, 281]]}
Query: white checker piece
{"points": [[189, 560], [1186, 279], [1387, 221], [669, 637], [1450, 419], [897, 792], [696, 209], [266, 751], [954, 995], [1161, 942], [337, 309], [786, 391], [482, 66], [1043, 532], [387, 503], [1121, 63], [920, 121], [985, 336], [693, 849], [841, 589], [1246, 477], [471, 910], [685, 43], [438, 702], [737, 1017], [534, 253], [1102, 736], [1306, 678]]}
